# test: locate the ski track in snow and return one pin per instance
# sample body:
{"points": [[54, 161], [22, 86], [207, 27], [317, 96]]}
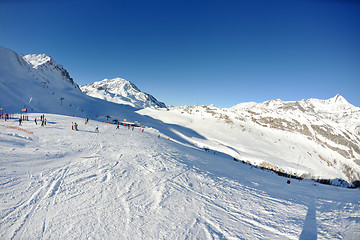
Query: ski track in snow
{"points": [[125, 184]]}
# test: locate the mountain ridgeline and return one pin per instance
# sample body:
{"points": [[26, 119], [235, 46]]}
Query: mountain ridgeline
{"points": [[47, 68]]}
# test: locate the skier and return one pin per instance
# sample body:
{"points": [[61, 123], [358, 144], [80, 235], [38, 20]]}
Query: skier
{"points": [[72, 126], [117, 127], [35, 121], [76, 125], [97, 129], [20, 121]]}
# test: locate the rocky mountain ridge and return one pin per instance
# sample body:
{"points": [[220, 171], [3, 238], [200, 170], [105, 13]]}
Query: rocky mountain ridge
{"points": [[47, 68], [330, 126]]}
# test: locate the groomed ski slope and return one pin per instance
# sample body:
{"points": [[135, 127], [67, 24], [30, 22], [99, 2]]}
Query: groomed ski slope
{"points": [[127, 184]]}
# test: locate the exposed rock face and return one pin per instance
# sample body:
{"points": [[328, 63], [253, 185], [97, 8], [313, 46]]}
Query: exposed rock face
{"points": [[332, 123]]}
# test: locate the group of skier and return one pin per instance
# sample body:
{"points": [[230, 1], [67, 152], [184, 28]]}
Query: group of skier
{"points": [[22, 119], [129, 126], [74, 126], [43, 120], [42, 117]]}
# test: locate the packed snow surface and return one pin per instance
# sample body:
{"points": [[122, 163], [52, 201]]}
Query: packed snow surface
{"points": [[129, 184]]}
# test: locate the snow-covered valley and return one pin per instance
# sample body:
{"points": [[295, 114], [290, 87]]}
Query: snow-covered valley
{"points": [[129, 184]]}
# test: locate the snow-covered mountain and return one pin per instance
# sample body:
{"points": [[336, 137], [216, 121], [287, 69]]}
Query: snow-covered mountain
{"points": [[48, 69], [119, 90], [36, 82], [309, 138]]}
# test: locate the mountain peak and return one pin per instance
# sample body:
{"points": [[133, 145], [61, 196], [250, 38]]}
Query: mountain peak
{"points": [[116, 85], [338, 99], [37, 59], [121, 91], [46, 66]]}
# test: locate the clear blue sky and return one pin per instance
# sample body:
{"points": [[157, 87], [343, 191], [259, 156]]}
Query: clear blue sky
{"points": [[198, 52]]}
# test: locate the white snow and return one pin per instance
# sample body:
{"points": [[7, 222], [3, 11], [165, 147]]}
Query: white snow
{"points": [[37, 60], [129, 184], [121, 91], [235, 132]]}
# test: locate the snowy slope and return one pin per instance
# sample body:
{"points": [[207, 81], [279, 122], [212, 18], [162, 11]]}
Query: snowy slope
{"points": [[124, 184], [119, 90], [309, 138]]}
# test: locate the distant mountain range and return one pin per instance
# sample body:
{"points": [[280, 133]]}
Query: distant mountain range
{"points": [[321, 135], [308, 138]]}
